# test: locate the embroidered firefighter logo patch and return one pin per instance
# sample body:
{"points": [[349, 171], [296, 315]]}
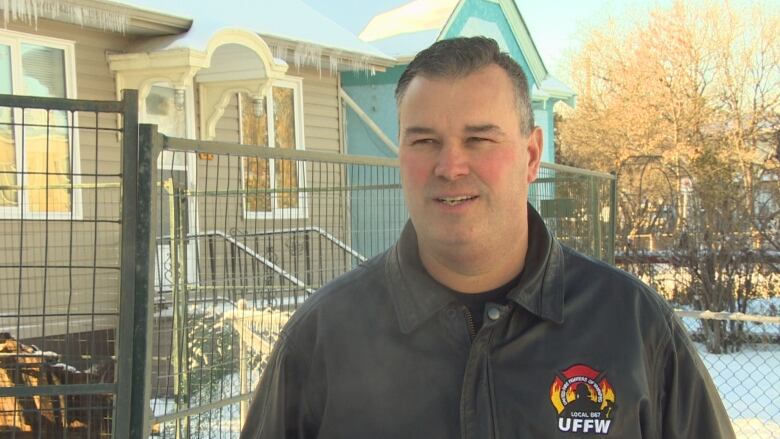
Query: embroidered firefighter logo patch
{"points": [[584, 400]]}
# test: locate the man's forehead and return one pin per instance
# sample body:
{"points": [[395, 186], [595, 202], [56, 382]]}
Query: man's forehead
{"points": [[488, 80]]}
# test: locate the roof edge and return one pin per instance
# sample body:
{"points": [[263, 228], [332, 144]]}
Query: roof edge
{"points": [[302, 54], [102, 15]]}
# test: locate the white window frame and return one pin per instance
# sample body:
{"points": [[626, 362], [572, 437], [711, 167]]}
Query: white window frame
{"points": [[15, 40], [300, 212]]}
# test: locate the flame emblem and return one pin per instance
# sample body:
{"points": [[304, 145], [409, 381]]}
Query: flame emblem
{"points": [[583, 399]]}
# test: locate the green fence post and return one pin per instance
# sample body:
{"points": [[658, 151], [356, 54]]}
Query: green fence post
{"points": [[125, 380], [140, 416], [612, 217], [595, 217]]}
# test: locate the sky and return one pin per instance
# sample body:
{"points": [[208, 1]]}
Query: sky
{"points": [[553, 24]]}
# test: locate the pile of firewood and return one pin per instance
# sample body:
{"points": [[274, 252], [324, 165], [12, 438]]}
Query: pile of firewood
{"points": [[77, 416]]}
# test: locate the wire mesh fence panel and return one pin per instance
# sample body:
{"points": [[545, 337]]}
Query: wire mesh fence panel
{"points": [[243, 238], [578, 208], [60, 238], [745, 369]]}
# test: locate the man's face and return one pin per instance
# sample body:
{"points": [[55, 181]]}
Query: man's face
{"points": [[465, 165]]}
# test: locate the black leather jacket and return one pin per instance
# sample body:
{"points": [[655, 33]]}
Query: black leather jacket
{"points": [[581, 350]]}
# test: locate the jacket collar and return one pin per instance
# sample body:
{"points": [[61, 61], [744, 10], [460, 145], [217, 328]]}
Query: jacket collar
{"points": [[417, 296]]}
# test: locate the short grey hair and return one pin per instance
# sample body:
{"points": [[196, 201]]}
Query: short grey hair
{"points": [[459, 57]]}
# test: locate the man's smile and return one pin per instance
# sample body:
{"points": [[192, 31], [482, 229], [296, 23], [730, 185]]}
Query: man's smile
{"points": [[452, 201]]}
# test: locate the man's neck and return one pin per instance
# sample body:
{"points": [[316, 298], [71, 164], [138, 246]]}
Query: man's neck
{"points": [[475, 268]]}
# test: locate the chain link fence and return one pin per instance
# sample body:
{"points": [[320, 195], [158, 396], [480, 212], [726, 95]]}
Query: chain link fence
{"points": [[747, 371]]}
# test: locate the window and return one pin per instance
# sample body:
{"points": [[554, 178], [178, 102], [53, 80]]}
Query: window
{"points": [[273, 186], [37, 160]]}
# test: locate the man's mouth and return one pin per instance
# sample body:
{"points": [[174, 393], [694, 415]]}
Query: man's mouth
{"points": [[452, 201]]}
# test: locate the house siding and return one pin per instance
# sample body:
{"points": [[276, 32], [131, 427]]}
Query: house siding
{"points": [[39, 286]]}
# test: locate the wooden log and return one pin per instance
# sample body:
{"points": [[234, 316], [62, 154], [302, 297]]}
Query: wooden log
{"points": [[82, 416]]}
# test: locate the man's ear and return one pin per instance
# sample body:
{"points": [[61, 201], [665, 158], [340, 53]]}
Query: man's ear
{"points": [[535, 147]]}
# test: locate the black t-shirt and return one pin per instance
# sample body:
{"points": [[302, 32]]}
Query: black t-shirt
{"points": [[475, 302]]}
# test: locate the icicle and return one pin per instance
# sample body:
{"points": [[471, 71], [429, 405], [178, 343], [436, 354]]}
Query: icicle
{"points": [[78, 15], [308, 54], [30, 10], [35, 14], [279, 51], [334, 63], [362, 64]]}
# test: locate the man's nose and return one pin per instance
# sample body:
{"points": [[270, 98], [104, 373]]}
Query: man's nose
{"points": [[451, 162]]}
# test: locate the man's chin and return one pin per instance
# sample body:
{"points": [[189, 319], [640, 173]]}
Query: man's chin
{"points": [[453, 237]]}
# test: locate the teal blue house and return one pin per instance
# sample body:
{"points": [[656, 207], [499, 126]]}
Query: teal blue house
{"points": [[371, 122], [371, 119]]}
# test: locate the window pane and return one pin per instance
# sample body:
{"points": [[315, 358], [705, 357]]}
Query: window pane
{"points": [[47, 150], [254, 131], [256, 182], [285, 173], [47, 162], [43, 69], [8, 195]]}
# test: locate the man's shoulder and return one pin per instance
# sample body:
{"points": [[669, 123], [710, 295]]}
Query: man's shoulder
{"points": [[344, 296], [610, 285]]}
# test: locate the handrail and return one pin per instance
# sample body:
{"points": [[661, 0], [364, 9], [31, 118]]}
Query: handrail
{"points": [[339, 243], [270, 264], [322, 232]]}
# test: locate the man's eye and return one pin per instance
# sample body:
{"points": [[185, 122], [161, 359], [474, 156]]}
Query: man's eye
{"points": [[478, 139], [423, 142]]}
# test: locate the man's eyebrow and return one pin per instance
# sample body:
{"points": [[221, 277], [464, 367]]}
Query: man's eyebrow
{"points": [[417, 130], [485, 128]]}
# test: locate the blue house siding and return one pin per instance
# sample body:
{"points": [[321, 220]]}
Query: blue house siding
{"points": [[377, 209], [480, 17], [384, 207], [376, 96]]}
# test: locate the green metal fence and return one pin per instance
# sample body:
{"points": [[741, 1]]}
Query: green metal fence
{"points": [[68, 180], [148, 299], [578, 206]]}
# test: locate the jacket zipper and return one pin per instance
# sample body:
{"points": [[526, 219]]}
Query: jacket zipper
{"points": [[470, 323]]}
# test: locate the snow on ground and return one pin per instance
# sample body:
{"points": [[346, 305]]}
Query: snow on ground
{"points": [[751, 428], [749, 383]]}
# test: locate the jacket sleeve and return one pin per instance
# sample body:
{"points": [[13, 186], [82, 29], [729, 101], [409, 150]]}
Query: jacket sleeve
{"points": [[690, 404], [279, 408]]}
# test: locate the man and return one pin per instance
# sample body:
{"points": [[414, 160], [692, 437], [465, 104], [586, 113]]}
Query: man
{"points": [[478, 323]]}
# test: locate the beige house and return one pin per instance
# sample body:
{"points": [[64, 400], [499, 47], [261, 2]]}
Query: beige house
{"points": [[264, 73]]}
